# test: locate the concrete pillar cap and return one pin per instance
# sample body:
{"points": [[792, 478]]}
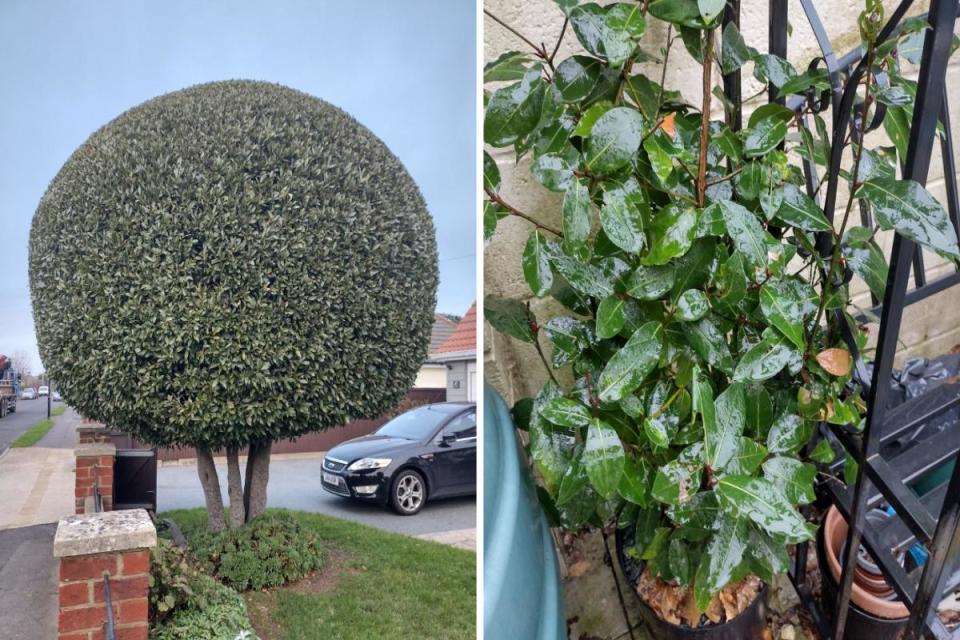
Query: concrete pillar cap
{"points": [[95, 449], [110, 531]]}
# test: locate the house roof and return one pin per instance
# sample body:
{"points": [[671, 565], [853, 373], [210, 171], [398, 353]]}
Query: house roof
{"points": [[443, 328], [463, 341]]}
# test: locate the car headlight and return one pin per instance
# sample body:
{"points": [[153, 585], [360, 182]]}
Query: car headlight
{"points": [[369, 463]]}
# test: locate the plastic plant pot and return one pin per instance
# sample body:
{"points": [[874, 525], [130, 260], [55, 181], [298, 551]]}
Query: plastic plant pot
{"points": [[871, 617], [521, 580], [749, 624]]}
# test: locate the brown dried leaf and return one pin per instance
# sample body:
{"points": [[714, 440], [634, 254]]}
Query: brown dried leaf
{"points": [[577, 569], [835, 361], [668, 124]]}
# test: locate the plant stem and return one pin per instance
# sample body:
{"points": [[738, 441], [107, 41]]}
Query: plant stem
{"points": [[663, 72], [543, 358], [540, 51], [705, 119], [556, 47], [729, 176], [495, 197]]}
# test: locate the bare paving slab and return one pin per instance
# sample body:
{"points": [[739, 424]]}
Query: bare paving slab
{"points": [[28, 583]]}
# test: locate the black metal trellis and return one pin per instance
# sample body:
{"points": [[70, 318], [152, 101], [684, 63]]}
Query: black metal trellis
{"points": [[883, 477]]}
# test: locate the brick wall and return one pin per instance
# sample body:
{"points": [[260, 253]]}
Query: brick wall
{"points": [[94, 471]]}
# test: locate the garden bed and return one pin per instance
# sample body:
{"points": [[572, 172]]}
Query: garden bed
{"points": [[372, 584]]}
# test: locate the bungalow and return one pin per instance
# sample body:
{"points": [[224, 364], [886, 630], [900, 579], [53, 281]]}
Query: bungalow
{"points": [[459, 354]]}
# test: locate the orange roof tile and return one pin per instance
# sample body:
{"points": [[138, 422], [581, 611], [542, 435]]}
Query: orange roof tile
{"points": [[464, 337]]}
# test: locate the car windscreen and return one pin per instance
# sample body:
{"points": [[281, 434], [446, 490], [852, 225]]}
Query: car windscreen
{"points": [[416, 424]]}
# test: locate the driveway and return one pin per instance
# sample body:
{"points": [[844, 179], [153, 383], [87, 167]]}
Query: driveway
{"points": [[295, 484], [28, 413]]}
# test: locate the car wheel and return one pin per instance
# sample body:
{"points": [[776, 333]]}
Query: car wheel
{"points": [[409, 493]]}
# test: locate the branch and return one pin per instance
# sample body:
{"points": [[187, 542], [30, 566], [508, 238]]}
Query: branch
{"points": [[729, 176], [539, 49], [495, 197], [705, 119]]}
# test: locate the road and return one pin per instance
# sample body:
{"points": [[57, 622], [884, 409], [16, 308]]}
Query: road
{"points": [[28, 413], [295, 484]]}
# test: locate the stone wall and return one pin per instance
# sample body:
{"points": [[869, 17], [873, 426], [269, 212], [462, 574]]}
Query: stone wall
{"points": [[929, 328]]}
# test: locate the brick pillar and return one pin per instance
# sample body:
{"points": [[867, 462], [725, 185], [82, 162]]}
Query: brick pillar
{"points": [[94, 468], [94, 545], [93, 432]]}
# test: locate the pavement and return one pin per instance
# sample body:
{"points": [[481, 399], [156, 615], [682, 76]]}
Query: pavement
{"points": [[28, 583], [295, 484], [28, 413], [36, 483]]}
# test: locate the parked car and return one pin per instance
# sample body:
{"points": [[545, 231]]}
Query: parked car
{"points": [[43, 391], [426, 453], [57, 397], [28, 394]]}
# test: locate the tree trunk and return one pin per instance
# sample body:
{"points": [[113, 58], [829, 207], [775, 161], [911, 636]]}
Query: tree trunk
{"points": [[235, 489], [257, 474], [211, 489]]}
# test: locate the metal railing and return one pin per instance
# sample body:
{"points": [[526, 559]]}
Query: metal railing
{"points": [[109, 631]]}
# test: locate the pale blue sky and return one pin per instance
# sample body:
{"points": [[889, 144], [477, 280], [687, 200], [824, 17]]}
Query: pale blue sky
{"points": [[404, 69]]}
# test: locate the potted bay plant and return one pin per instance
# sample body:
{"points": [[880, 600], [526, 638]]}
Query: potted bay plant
{"points": [[705, 295]]}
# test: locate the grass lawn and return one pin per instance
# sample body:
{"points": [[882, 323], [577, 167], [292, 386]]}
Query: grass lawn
{"points": [[374, 584], [32, 435], [58, 411]]}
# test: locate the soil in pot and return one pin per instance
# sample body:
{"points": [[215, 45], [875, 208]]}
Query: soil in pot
{"points": [[874, 613], [737, 613]]}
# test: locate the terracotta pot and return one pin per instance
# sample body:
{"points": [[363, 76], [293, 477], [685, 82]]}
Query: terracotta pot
{"points": [[870, 599]]}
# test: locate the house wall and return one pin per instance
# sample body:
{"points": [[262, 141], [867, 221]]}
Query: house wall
{"points": [[515, 369], [431, 376], [461, 385]]}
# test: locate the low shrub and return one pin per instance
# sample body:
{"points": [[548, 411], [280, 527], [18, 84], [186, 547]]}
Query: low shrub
{"points": [[185, 604], [270, 551]]}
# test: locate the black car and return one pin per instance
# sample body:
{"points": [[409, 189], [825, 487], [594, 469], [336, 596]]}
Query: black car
{"points": [[426, 453]]}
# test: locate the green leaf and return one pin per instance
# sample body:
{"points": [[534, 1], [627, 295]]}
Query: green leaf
{"points": [[680, 560], [576, 77], [590, 116], [608, 32], [491, 173], [721, 557], [509, 67], [708, 341], [760, 501], [764, 137], [789, 434], [586, 279], [694, 267], [786, 303], [735, 51], [536, 264], [823, 452], [670, 233], [510, 317], [492, 214], [904, 205], [577, 216], [759, 409], [763, 361], [799, 210], [567, 5], [675, 482], [621, 217], [635, 481], [555, 170], [773, 69], [650, 283], [749, 236], [629, 366], [692, 305], [747, 458], [768, 557], [897, 125], [610, 317], [660, 430], [566, 413], [603, 458], [551, 452], [514, 110], [722, 436], [614, 139], [794, 478], [660, 153], [680, 12]]}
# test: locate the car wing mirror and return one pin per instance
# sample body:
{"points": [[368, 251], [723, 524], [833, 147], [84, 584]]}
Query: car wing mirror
{"points": [[447, 439]]}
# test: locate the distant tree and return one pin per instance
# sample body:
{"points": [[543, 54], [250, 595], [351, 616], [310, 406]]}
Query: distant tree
{"points": [[452, 317], [228, 265], [22, 362]]}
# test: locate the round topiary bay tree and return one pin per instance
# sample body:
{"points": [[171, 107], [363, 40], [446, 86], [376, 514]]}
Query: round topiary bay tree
{"points": [[229, 265]]}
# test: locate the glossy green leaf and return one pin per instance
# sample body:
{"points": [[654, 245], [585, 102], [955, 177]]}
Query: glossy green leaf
{"points": [[650, 283], [660, 153], [773, 69], [749, 236], [635, 481], [610, 317], [660, 430], [763, 361], [590, 117], [576, 77], [614, 139], [760, 501], [735, 52], [708, 341], [510, 317], [675, 482], [566, 413], [555, 170], [692, 305], [794, 478], [679, 12], [747, 457], [722, 436], [897, 125], [787, 303], [513, 111], [799, 210], [491, 173], [492, 214], [721, 557], [629, 366], [585, 279], [764, 137], [508, 67], [536, 264], [608, 32], [710, 9], [577, 216], [789, 433], [823, 452], [908, 208], [621, 217], [759, 408], [603, 458], [694, 267], [768, 557], [670, 233]]}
